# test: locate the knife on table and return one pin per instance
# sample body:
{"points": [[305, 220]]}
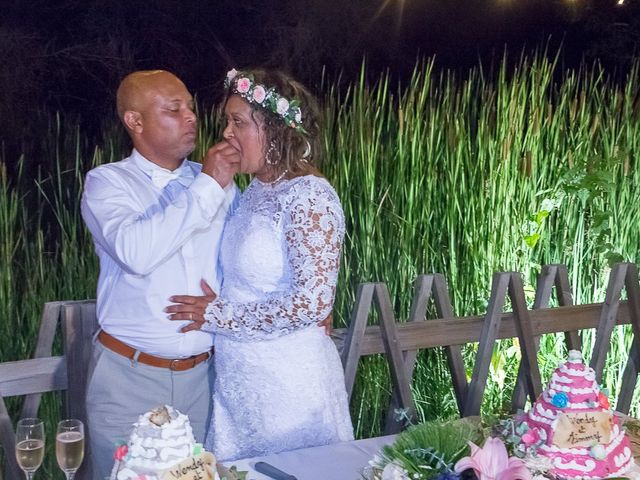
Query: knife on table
{"points": [[273, 472]]}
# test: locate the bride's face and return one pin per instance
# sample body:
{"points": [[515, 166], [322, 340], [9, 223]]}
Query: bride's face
{"points": [[245, 132]]}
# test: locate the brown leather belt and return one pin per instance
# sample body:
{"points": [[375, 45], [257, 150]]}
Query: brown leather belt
{"points": [[177, 365]]}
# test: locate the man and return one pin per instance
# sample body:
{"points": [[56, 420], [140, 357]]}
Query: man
{"points": [[156, 220]]}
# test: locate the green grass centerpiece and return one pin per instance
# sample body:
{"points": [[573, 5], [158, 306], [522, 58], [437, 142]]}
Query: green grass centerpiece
{"points": [[427, 451]]}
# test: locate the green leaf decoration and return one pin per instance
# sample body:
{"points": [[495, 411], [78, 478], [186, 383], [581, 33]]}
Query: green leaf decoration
{"points": [[431, 448]]}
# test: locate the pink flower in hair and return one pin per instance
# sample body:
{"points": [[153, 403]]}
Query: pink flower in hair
{"points": [[282, 106], [243, 85], [259, 94], [231, 74]]}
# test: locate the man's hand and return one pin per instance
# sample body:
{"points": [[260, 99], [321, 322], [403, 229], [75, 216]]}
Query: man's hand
{"points": [[221, 162], [191, 307], [327, 323]]}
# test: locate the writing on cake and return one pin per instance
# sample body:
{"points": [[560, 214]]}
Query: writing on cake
{"points": [[582, 429]]}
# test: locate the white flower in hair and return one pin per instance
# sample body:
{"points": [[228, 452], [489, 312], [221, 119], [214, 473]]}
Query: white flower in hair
{"points": [[231, 74], [243, 85], [298, 115], [259, 94], [282, 106]]}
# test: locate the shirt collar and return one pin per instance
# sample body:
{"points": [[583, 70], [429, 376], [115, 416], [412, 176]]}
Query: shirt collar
{"points": [[147, 166]]}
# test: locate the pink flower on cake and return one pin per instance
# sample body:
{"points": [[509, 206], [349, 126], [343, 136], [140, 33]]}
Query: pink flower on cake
{"points": [[121, 452], [531, 437], [603, 400], [243, 85], [492, 462]]}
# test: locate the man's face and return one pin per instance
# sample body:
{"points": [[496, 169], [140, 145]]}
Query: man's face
{"points": [[168, 125]]}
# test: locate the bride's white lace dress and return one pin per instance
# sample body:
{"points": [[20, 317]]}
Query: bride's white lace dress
{"points": [[279, 383]]}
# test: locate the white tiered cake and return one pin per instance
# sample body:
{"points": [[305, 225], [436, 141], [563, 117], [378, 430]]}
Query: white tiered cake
{"points": [[162, 440]]}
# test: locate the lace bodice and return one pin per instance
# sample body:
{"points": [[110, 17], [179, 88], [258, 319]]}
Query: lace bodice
{"points": [[280, 256]]}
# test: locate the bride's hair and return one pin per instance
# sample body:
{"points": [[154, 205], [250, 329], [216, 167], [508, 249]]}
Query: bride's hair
{"points": [[298, 148]]}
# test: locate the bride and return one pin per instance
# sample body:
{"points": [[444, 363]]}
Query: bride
{"points": [[279, 383]]}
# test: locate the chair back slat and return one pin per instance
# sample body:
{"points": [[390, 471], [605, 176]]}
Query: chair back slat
{"points": [[453, 353], [44, 346], [79, 325], [37, 375], [355, 334], [418, 313], [8, 441], [608, 318], [488, 336], [401, 382], [550, 276], [526, 337], [632, 368]]}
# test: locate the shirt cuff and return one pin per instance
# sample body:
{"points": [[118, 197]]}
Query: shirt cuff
{"points": [[209, 194]]}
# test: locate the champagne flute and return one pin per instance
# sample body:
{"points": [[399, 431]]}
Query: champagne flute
{"points": [[70, 446], [30, 445]]}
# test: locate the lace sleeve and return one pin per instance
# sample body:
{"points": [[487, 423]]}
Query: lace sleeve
{"points": [[313, 235]]}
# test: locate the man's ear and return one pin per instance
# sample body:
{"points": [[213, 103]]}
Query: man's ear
{"points": [[133, 121]]}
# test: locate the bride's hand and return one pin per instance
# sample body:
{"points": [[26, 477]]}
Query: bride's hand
{"points": [[327, 323], [191, 307]]}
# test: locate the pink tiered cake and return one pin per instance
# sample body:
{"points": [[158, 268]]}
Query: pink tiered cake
{"points": [[571, 424]]}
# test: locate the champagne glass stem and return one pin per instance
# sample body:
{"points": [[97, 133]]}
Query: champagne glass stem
{"points": [[70, 475], [29, 475]]}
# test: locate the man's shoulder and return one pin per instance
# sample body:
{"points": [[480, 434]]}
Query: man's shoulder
{"points": [[113, 168]]}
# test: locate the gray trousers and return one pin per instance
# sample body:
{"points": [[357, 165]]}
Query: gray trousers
{"points": [[119, 391]]}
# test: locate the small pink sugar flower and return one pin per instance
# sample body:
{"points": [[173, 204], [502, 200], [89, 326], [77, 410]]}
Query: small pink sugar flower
{"points": [[492, 462], [243, 85], [603, 400], [121, 452], [531, 437], [259, 94]]}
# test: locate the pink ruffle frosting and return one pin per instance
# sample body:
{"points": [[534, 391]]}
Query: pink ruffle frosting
{"points": [[577, 381]]}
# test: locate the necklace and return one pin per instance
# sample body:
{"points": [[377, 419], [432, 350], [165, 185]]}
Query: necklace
{"points": [[280, 177]]}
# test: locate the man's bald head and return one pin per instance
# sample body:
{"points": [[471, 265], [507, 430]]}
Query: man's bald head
{"points": [[157, 110], [136, 87]]}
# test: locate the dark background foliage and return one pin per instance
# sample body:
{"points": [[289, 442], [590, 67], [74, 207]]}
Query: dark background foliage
{"points": [[69, 55]]}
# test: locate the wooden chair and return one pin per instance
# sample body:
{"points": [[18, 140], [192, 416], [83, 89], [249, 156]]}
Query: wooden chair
{"points": [[401, 341], [46, 373]]}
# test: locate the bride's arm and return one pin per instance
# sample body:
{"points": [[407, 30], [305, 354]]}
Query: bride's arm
{"points": [[313, 240]]}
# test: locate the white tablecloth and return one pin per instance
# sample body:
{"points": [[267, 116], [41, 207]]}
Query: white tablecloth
{"points": [[340, 461]]}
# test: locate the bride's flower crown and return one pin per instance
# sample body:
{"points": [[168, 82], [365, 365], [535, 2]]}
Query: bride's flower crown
{"points": [[243, 84]]}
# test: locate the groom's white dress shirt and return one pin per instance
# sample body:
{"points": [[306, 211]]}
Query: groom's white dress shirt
{"points": [[156, 233]]}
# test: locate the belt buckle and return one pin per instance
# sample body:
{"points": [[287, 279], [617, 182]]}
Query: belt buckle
{"points": [[174, 364]]}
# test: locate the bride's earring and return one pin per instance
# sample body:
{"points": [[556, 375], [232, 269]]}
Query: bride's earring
{"points": [[268, 157], [307, 151]]}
